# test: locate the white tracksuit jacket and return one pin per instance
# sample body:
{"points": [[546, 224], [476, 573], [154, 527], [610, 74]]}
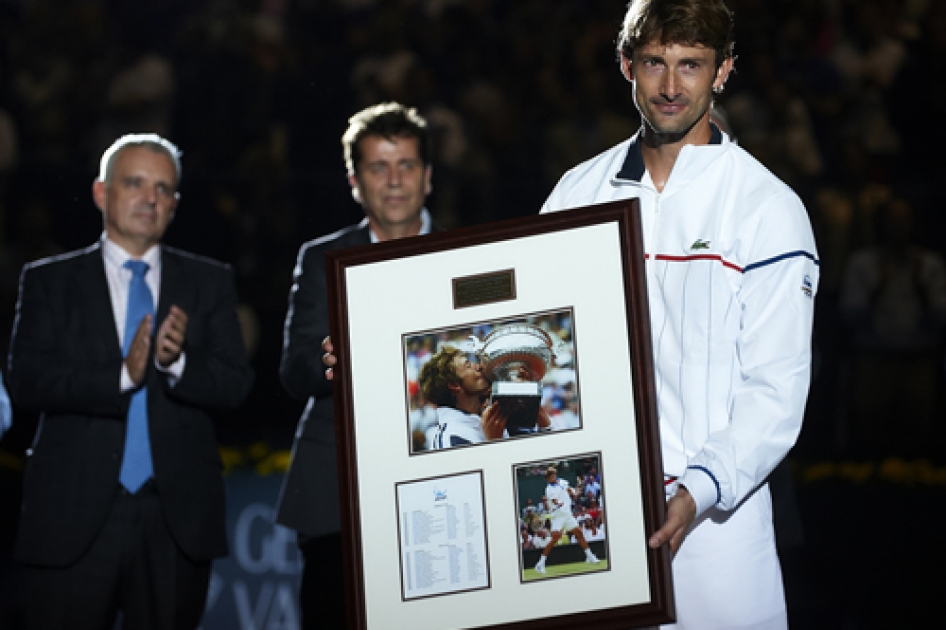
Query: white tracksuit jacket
{"points": [[731, 272]]}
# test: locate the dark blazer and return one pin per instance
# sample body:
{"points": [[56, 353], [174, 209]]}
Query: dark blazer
{"points": [[65, 363], [309, 501]]}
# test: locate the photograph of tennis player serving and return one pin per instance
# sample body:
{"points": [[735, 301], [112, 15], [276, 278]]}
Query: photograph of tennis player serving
{"points": [[561, 517]]}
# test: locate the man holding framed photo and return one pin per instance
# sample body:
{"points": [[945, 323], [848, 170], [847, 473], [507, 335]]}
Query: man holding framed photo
{"points": [[731, 271], [387, 154]]}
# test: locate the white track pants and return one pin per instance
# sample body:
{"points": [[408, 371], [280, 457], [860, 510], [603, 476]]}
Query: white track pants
{"points": [[726, 575]]}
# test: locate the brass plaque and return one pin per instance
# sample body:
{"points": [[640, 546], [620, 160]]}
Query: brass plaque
{"points": [[484, 288]]}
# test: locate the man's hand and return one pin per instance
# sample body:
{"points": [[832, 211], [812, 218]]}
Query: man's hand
{"points": [[681, 510], [542, 420], [137, 359], [493, 422], [328, 358], [170, 340]]}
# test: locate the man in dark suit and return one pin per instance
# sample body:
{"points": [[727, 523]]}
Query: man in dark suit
{"points": [[125, 334], [388, 159]]}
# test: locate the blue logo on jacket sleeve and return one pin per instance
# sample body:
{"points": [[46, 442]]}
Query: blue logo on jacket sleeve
{"points": [[806, 285]]}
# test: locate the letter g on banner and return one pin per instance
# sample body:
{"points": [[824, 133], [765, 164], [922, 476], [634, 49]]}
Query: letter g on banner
{"points": [[259, 546]]}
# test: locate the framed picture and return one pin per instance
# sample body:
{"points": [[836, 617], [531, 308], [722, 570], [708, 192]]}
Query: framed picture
{"points": [[496, 419], [538, 347], [562, 508]]}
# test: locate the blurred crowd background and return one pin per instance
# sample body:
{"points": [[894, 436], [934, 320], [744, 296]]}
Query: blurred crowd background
{"points": [[837, 97], [842, 99]]}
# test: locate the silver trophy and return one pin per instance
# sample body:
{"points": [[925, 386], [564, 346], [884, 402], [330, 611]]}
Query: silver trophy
{"points": [[515, 358]]}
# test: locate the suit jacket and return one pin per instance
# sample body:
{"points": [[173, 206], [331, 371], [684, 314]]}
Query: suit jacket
{"points": [[65, 363], [309, 501]]}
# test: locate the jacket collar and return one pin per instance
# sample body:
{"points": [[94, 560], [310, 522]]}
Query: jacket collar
{"points": [[633, 167], [426, 225]]}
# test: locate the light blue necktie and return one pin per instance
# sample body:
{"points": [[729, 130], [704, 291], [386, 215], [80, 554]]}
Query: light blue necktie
{"points": [[136, 462]]}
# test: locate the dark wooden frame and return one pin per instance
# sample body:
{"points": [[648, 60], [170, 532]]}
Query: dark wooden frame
{"points": [[625, 214]]}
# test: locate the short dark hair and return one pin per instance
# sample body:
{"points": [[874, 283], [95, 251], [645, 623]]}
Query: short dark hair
{"points": [[705, 22], [388, 120], [438, 374]]}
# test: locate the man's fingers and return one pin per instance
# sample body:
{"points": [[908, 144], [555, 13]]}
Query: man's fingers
{"points": [[178, 313], [681, 509], [673, 529], [171, 336], [493, 422], [328, 359], [495, 414], [677, 540], [660, 536], [168, 343], [175, 322], [137, 359], [144, 329]]}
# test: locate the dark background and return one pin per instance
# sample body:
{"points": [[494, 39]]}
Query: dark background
{"points": [[841, 99]]}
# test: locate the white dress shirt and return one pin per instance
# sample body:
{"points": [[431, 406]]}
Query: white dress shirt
{"points": [[119, 278]]}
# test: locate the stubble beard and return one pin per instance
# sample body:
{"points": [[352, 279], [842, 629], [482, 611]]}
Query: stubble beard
{"points": [[656, 135]]}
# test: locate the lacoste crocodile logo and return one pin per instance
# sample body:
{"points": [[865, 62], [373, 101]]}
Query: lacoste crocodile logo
{"points": [[700, 244]]}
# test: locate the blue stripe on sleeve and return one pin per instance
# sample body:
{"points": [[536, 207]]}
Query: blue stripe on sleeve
{"points": [[780, 257], [719, 494]]}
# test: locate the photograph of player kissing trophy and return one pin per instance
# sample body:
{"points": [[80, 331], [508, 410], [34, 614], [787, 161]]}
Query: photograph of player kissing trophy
{"points": [[492, 381]]}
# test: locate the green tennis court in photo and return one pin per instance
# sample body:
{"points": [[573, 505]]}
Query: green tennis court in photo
{"points": [[558, 570]]}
